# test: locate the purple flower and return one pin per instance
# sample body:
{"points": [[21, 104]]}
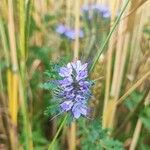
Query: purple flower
{"points": [[67, 105], [103, 10], [71, 34], [60, 29], [74, 89], [66, 71], [79, 109], [68, 32]]}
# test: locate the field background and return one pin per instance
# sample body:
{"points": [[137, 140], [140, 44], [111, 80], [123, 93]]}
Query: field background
{"points": [[121, 97]]}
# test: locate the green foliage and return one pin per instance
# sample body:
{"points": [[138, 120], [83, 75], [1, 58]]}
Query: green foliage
{"points": [[41, 53], [144, 147], [133, 100], [145, 117], [111, 144], [52, 74], [143, 142], [38, 135], [33, 26], [147, 31], [48, 85], [48, 18], [96, 138], [52, 109], [39, 139]]}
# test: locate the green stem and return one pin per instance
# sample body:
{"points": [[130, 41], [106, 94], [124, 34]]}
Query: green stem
{"points": [[4, 42], [109, 35], [51, 146], [28, 10], [90, 45], [22, 39]]}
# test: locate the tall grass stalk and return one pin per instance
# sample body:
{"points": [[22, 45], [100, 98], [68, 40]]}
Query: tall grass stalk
{"points": [[108, 81], [26, 130], [135, 47], [26, 124], [28, 10], [72, 136], [114, 8], [120, 60], [138, 83], [109, 68], [68, 12], [12, 81], [12, 39], [4, 43], [77, 28], [136, 135], [109, 35]]}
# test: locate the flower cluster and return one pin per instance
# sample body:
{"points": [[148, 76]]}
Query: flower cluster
{"points": [[68, 32], [74, 89], [102, 10]]}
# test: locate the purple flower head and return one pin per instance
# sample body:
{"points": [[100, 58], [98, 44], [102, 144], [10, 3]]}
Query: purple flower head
{"points": [[86, 9], [70, 34], [79, 109], [103, 10], [74, 89], [61, 29]]}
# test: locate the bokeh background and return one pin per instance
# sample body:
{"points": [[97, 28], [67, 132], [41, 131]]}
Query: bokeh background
{"points": [[33, 36]]}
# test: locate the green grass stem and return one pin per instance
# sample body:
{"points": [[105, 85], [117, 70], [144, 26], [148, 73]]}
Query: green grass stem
{"points": [[109, 36], [51, 146]]}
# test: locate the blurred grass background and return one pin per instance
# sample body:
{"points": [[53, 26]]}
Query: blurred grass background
{"points": [[28, 42]]}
